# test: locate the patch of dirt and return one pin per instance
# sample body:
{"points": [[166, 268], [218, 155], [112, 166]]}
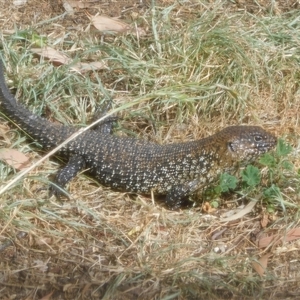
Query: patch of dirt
{"points": [[266, 6]]}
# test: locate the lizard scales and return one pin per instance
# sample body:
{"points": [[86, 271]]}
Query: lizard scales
{"points": [[128, 164]]}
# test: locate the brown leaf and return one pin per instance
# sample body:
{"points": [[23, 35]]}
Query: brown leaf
{"points": [[68, 7], [81, 4], [267, 240], [260, 266], [264, 221], [240, 213], [85, 67], [14, 158], [47, 297], [86, 288], [3, 130], [206, 207], [103, 23], [52, 54], [291, 235], [19, 2], [106, 24]]}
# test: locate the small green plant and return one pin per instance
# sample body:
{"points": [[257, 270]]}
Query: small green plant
{"points": [[250, 179], [280, 171], [251, 176], [279, 168], [273, 192], [227, 183]]}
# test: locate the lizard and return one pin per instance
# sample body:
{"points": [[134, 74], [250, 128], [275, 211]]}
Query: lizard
{"points": [[176, 170]]}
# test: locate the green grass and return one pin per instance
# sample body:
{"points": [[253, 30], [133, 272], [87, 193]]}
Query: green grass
{"points": [[194, 73]]}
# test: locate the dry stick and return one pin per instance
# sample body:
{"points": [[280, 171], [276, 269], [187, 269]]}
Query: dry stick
{"points": [[135, 241], [72, 137]]}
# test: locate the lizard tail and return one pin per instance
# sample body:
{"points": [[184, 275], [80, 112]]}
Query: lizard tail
{"points": [[38, 128]]}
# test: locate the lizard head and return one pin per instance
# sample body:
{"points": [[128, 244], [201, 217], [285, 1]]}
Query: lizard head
{"points": [[246, 143]]}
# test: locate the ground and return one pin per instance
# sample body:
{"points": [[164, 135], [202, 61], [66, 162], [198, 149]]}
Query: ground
{"points": [[103, 244]]}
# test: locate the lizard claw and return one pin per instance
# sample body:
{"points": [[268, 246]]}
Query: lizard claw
{"points": [[58, 192]]}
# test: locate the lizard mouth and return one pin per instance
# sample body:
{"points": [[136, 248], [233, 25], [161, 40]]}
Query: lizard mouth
{"points": [[231, 147]]}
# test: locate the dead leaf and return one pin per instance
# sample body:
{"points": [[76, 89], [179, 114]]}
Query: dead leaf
{"points": [[52, 54], [3, 130], [206, 207], [217, 234], [275, 239], [293, 234], [19, 2], [106, 24], [267, 240], [240, 213], [264, 221], [43, 241], [85, 67], [14, 158], [47, 297], [103, 23], [135, 230], [67, 286], [68, 7], [81, 4], [86, 288], [260, 266], [41, 265]]}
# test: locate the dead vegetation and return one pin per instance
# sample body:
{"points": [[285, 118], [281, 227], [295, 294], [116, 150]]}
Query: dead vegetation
{"points": [[181, 71]]}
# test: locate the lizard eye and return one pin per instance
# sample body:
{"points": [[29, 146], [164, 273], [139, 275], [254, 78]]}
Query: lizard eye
{"points": [[257, 138]]}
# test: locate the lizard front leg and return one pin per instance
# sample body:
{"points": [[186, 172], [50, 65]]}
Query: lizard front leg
{"points": [[178, 195]]}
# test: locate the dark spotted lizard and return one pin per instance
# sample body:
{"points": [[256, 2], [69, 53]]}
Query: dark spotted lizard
{"points": [[175, 170]]}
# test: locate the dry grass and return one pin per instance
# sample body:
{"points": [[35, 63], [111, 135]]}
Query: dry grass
{"points": [[201, 67]]}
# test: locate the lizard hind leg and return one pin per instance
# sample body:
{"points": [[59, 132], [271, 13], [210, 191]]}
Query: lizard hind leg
{"points": [[105, 126], [75, 164]]}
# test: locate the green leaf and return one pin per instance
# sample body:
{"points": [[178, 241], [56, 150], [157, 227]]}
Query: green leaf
{"points": [[227, 182], [251, 175], [287, 165], [272, 192], [283, 148], [214, 204], [270, 208], [268, 160], [31, 36]]}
